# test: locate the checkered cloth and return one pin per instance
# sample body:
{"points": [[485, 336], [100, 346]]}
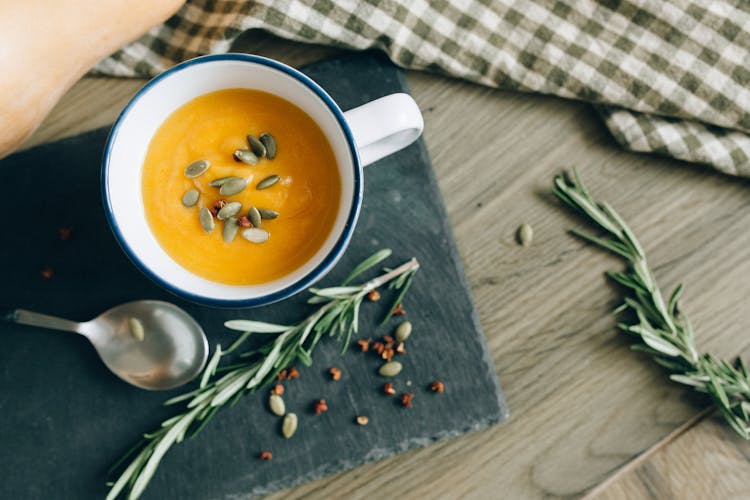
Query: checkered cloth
{"points": [[668, 77]]}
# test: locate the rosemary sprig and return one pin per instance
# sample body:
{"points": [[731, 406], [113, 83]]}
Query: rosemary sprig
{"points": [[662, 330], [222, 386]]}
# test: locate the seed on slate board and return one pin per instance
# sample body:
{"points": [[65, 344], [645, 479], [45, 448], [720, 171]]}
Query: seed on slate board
{"points": [[267, 213], [233, 186], [257, 147], [254, 215], [403, 331], [270, 143], [220, 181], [289, 425], [207, 219], [362, 420], [276, 404], [229, 231], [229, 210], [197, 168], [190, 197], [255, 235], [136, 329], [390, 369], [268, 182], [245, 156], [525, 234]]}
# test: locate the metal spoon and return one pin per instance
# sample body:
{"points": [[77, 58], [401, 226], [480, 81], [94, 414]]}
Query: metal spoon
{"points": [[173, 350]]}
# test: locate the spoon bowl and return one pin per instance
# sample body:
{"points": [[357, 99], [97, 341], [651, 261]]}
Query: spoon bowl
{"points": [[173, 350]]}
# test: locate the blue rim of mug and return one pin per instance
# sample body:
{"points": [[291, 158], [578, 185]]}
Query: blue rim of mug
{"points": [[310, 278]]}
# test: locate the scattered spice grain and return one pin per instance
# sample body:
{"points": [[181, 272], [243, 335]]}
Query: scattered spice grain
{"points": [[364, 345], [406, 399], [399, 311], [320, 406]]}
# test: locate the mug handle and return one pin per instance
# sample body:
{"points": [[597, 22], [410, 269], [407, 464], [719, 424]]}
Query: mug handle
{"points": [[384, 126]]}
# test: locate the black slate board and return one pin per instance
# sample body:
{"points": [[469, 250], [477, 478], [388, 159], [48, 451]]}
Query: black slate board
{"points": [[65, 419]]}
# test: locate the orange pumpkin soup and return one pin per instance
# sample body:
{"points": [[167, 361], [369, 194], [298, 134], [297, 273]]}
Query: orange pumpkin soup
{"points": [[212, 127]]}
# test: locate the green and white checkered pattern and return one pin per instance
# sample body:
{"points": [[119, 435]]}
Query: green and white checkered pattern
{"points": [[669, 77]]}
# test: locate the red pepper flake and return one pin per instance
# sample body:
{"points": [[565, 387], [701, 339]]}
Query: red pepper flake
{"points": [[362, 420], [335, 373], [398, 311], [293, 373], [47, 273], [388, 389], [278, 389], [219, 204], [266, 455], [65, 233], [406, 399], [364, 345], [244, 222], [373, 296], [320, 407], [388, 339], [281, 376], [437, 386], [378, 347], [400, 349], [387, 354]]}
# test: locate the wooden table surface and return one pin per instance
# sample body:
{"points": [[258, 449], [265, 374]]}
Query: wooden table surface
{"points": [[588, 416]]}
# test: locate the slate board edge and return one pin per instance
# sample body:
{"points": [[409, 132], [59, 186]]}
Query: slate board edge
{"points": [[375, 455]]}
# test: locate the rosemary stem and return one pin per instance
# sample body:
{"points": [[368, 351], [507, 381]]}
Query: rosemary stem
{"points": [[410, 265]]}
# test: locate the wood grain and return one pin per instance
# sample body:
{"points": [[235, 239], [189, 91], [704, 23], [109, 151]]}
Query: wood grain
{"points": [[708, 461], [582, 404]]}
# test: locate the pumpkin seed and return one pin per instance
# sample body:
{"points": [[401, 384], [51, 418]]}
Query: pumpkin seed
{"points": [[221, 181], [390, 369], [289, 425], [190, 197], [229, 210], [207, 219], [257, 147], [525, 234], [254, 216], [229, 231], [245, 156], [268, 182], [267, 213], [136, 329], [270, 143], [276, 404], [255, 235], [233, 186], [197, 168], [403, 331]]}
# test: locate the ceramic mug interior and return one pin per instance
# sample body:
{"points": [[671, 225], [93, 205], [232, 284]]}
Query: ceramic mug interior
{"points": [[129, 140]]}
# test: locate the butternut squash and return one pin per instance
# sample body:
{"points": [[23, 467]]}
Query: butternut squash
{"points": [[47, 45]]}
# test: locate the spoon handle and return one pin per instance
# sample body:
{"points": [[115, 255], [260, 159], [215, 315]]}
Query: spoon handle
{"points": [[25, 317]]}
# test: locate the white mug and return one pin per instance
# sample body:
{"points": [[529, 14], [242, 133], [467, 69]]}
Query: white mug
{"points": [[358, 138]]}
